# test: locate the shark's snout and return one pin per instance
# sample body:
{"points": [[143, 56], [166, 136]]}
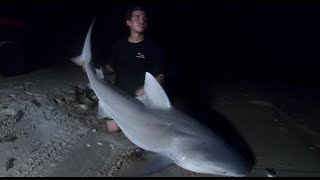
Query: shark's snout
{"points": [[213, 157]]}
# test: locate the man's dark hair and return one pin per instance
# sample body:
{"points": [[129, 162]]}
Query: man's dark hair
{"points": [[128, 15]]}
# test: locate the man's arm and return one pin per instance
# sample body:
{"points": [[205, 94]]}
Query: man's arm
{"points": [[158, 64], [109, 69], [112, 74], [111, 63]]}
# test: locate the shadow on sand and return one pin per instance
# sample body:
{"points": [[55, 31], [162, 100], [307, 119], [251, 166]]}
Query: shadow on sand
{"points": [[197, 104]]}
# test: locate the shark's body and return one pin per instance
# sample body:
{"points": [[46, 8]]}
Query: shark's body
{"points": [[156, 126]]}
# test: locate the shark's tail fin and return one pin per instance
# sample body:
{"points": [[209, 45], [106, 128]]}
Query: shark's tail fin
{"points": [[86, 51], [86, 54], [77, 60]]}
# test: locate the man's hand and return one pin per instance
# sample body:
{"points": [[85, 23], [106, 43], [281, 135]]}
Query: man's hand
{"points": [[140, 92], [109, 69], [111, 74]]}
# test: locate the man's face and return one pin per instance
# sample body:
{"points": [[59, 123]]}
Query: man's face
{"points": [[138, 21]]}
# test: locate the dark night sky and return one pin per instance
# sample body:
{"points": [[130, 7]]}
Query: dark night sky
{"points": [[275, 41]]}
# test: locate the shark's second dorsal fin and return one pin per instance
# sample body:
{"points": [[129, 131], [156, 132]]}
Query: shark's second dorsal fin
{"points": [[155, 96]]}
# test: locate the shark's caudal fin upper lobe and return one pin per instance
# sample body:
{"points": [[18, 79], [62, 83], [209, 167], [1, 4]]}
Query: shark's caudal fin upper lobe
{"points": [[86, 51], [86, 54]]}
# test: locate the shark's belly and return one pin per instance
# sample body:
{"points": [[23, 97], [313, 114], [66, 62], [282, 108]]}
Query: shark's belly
{"points": [[146, 131]]}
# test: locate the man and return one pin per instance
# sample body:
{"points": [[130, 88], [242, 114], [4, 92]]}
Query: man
{"points": [[132, 56]]}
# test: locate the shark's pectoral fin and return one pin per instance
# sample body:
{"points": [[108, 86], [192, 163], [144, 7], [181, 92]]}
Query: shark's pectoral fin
{"points": [[155, 96], [152, 165]]}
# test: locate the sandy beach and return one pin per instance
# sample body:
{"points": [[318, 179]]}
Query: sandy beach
{"points": [[44, 133]]}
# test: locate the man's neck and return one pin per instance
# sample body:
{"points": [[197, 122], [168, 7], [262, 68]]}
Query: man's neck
{"points": [[135, 37]]}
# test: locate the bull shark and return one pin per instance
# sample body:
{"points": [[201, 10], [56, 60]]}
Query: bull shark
{"points": [[153, 124]]}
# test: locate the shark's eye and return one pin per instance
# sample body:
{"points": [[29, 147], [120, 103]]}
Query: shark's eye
{"points": [[203, 142]]}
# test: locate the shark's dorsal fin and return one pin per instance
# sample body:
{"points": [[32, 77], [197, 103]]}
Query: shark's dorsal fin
{"points": [[155, 96]]}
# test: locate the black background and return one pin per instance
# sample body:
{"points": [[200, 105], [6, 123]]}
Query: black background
{"points": [[202, 40]]}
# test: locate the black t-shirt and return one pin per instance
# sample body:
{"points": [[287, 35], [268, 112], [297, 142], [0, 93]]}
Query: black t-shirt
{"points": [[132, 60]]}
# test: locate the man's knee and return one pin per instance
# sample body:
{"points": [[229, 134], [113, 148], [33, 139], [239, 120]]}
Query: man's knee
{"points": [[112, 126]]}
